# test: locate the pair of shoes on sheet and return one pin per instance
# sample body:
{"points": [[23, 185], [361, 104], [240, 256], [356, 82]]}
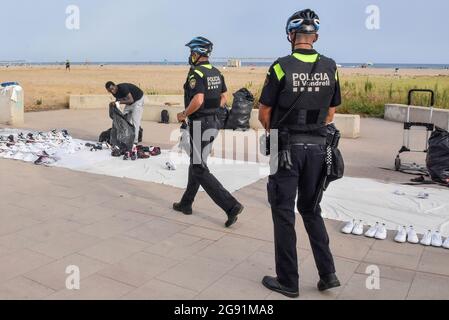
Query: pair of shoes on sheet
{"points": [[407, 235], [434, 239], [378, 231]]}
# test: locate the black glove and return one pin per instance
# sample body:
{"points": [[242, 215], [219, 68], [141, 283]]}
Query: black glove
{"points": [[285, 160]]}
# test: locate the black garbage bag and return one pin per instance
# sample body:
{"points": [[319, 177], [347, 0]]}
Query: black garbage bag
{"points": [[241, 110], [222, 115], [438, 156], [122, 132]]}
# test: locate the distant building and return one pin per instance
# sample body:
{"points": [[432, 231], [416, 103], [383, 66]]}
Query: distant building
{"points": [[234, 63]]}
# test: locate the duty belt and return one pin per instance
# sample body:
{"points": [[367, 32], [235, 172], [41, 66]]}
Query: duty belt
{"points": [[296, 139]]}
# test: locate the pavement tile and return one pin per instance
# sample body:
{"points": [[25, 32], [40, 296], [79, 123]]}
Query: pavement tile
{"points": [[387, 272], [429, 287], [356, 289], [65, 245], [231, 288], [115, 249], [94, 287], [350, 247], [90, 215], [20, 262], [54, 275], [16, 242], [49, 230], [404, 248], [156, 230], [179, 246], [160, 290], [10, 225], [196, 273], [231, 249], [435, 260], [111, 227], [138, 269], [392, 259], [204, 233], [255, 267], [21, 288]]}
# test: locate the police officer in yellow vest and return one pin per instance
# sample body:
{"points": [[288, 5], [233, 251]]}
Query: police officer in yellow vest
{"points": [[205, 90], [299, 100]]}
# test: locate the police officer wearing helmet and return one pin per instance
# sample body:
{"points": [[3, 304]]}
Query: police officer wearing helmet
{"points": [[299, 100], [205, 90]]}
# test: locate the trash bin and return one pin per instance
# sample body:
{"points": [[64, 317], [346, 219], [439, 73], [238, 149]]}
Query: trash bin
{"points": [[11, 104]]}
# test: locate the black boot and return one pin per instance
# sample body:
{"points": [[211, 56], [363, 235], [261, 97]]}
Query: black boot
{"points": [[185, 209], [274, 285], [233, 215], [329, 282]]}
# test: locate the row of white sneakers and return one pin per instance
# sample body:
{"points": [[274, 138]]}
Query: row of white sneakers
{"points": [[378, 231], [434, 239]]}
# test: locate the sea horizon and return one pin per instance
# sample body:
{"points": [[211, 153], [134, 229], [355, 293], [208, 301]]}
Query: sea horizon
{"points": [[223, 63]]}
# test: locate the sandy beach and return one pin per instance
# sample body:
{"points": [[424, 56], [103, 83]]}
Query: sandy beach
{"points": [[49, 87]]}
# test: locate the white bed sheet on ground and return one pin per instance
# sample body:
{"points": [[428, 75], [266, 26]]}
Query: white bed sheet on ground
{"points": [[234, 175], [373, 201]]}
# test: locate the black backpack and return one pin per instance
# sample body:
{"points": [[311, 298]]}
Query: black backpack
{"points": [[165, 117]]}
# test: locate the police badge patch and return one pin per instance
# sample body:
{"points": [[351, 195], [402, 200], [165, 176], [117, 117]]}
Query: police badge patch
{"points": [[192, 83]]}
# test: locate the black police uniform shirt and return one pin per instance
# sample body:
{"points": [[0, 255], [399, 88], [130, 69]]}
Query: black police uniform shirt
{"points": [[124, 89], [273, 87], [208, 80]]}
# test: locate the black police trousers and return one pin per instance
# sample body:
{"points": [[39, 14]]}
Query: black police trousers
{"points": [[199, 174], [303, 181]]}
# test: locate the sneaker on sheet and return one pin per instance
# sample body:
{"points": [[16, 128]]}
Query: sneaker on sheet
{"points": [[347, 229], [401, 236], [412, 237], [371, 233], [426, 240], [437, 239], [381, 233], [358, 228]]}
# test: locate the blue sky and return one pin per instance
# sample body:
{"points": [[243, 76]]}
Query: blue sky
{"points": [[153, 30]]}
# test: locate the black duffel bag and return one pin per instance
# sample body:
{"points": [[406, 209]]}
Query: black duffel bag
{"points": [[438, 156]]}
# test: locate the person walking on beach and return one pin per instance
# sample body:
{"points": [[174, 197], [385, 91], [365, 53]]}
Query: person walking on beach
{"points": [[67, 65], [204, 93], [299, 100], [134, 100]]}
